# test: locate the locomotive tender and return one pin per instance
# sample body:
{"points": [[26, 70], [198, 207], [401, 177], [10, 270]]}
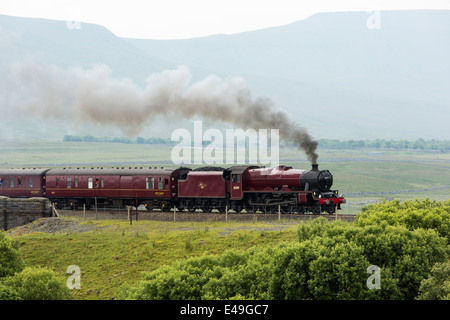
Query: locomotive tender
{"points": [[249, 188]]}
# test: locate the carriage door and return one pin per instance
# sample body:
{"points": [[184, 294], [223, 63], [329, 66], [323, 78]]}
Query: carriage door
{"points": [[236, 186]]}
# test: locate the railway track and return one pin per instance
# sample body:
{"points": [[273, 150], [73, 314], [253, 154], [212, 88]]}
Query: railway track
{"points": [[122, 214]]}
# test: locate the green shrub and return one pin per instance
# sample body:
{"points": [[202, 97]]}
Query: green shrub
{"points": [[412, 214], [8, 293], [437, 286], [330, 261], [319, 268], [404, 256], [10, 260], [248, 279], [37, 284], [208, 277]]}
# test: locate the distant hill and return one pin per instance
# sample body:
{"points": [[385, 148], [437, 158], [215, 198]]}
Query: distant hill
{"points": [[330, 72]]}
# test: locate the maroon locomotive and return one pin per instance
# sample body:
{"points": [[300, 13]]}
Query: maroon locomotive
{"points": [[256, 189], [249, 188]]}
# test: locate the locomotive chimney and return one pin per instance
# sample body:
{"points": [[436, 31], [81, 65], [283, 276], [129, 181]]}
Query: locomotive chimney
{"points": [[315, 167]]}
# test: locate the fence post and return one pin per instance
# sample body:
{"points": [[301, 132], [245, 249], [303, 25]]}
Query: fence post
{"points": [[279, 212], [96, 211], [54, 212], [5, 218]]}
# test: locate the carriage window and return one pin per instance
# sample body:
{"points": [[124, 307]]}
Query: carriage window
{"points": [[5, 182], [1, 182], [150, 183], [69, 183], [30, 182], [19, 181], [75, 183], [11, 182], [90, 185], [166, 183], [160, 183], [102, 183]]}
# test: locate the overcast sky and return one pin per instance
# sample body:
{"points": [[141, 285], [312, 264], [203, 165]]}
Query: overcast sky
{"points": [[175, 19]]}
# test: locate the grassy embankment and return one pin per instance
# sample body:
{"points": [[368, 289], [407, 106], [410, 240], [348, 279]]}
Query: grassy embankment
{"points": [[116, 254]]}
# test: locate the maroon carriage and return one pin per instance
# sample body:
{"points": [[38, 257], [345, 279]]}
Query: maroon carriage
{"points": [[155, 188], [22, 183]]}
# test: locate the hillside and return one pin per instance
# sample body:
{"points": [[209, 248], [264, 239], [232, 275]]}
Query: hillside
{"points": [[331, 73], [389, 82]]}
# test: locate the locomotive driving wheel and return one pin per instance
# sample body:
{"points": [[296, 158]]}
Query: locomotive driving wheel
{"points": [[270, 209], [206, 209]]}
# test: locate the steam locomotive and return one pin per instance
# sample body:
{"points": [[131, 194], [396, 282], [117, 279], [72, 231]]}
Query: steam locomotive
{"points": [[238, 188]]}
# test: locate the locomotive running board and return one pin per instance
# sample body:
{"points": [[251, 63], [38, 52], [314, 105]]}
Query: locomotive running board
{"points": [[271, 204]]}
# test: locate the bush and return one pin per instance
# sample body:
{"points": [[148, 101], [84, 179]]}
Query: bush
{"points": [[208, 277], [437, 286], [248, 279], [35, 284], [10, 260], [8, 293], [287, 271], [330, 261], [404, 256], [412, 214], [319, 268]]}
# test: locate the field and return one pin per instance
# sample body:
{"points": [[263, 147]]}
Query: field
{"points": [[113, 252]]}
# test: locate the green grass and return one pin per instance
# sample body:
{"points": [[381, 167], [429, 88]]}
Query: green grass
{"points": [[112, 256]]}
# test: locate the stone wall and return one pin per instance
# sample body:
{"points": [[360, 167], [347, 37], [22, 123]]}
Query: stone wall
{"points": [[17, 212]]}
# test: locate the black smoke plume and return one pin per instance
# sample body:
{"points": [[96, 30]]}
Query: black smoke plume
{"points": [[95, 96]]}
